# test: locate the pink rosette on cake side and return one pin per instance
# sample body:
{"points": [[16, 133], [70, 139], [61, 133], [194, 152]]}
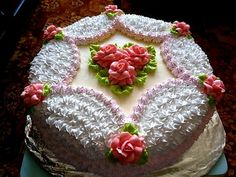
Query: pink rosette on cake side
{"points": [[181, 29], [127, 147], [34, 94], [107, 54], [121, 73], [212, 86], [53, 32], [137, 56], [112, 10]]}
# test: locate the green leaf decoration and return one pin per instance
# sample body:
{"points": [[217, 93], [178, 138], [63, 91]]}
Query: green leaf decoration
{"points": [[144, 158], [46, 89], [102, 77], [150, 66], [94, 66], [59, 36], [111, 15], [211, 101], [141, 78], [174, 32], [94, 48], [110, 156], [121, 90], [129, 44], [131, 128], [189, 36], [202, 78], [151, 50]]}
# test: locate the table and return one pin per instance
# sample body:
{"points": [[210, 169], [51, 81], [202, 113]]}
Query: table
{"points": [[30, 167]]}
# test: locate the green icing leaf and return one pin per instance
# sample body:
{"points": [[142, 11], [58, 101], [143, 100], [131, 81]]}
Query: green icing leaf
{"points": [[131, 128], [121, 90], [211, 101], [129, 44], [144, 158], [141, 78], [110, 156], [151, 50], [59, 36], [94, 66], [46, 89], [174, 32], [102, 77], [202, 78], [189, 36], [111, 15], [151, 66], [94, 48]]}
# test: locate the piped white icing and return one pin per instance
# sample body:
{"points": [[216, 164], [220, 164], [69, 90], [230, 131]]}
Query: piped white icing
{"points": [[90, 29], [143, 28], [184, 57], [57, 62]]}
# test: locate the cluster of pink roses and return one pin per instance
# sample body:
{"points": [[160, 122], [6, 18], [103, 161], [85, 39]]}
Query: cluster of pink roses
{"points": [[122, 64], [51, 32], [214, 87], [181, 28]]}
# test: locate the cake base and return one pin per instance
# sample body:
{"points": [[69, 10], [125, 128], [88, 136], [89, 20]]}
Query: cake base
{"points": [[30, 167]]}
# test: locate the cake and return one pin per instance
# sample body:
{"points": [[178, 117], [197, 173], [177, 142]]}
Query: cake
{"points": [[119, 95]]}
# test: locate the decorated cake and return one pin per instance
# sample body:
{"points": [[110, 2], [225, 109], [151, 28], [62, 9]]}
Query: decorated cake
{"points": [[119, 95]]}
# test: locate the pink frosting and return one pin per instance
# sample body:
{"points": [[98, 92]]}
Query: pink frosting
{"points": [[214, 87], [182, 28], [107, 54], [121, 73], [50, 32], [127, 148], [33, 94], [113, 9], [137, 56]]}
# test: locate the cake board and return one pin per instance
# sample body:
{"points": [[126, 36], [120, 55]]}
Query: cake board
{"points": [[30, 167]]}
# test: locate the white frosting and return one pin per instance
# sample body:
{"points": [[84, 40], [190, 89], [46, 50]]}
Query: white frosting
{"points": [[143, 28], [85, 30], [184, 56], [170, 116], [55, 63]]}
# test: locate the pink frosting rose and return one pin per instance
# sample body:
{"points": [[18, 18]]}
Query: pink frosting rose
{"points": [[107, 54], [33, 94], [214, 87], [113, 9], [137, 56], [121, 73], [127, 148], [182, 28], [50, 32]]}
